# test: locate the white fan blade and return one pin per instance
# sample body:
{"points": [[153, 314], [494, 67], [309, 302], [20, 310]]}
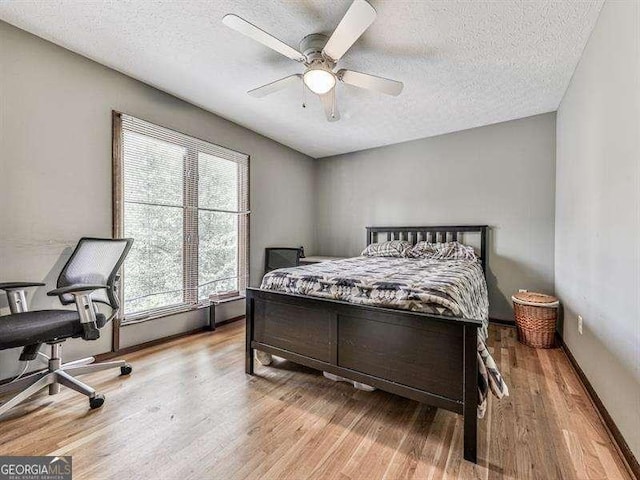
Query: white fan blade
{"points": [[259, 35], [370, 82], [330, 108], [273, 87], [357, 19]]}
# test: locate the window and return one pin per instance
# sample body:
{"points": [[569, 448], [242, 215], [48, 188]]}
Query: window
{"points": [[185, 202]]}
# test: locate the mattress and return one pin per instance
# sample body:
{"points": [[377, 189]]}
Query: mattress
{"points": [[441, 287]]}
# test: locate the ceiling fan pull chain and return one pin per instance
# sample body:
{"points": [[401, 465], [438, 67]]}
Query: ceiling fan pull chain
{"points": [[304, 104]]}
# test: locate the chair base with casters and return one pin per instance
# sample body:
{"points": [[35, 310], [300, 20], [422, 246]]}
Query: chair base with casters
{"points": [[89, 277], [58, 374]]}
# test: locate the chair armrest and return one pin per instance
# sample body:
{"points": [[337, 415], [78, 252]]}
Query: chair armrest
{"points": [[82, 295], [16, 294], [76, 288], [19, 285]]}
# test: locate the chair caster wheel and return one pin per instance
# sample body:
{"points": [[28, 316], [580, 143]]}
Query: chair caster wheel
{"points": [[96, 402], [126, 370]]}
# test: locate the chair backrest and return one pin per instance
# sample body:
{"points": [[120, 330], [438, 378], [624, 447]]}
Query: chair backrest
{"points": [[281, 257], [95, 261]]}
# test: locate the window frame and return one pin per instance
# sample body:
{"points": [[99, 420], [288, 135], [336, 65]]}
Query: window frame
{"points": [[190, 257]]}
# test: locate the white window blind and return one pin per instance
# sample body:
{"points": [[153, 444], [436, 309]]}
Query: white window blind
{"points": [[185, 202]]}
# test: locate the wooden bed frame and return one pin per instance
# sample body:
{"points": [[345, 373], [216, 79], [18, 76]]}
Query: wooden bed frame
{"points": [[424, 357]]}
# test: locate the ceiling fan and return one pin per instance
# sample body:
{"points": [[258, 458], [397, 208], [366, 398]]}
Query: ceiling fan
{"points": [[320, 55]]}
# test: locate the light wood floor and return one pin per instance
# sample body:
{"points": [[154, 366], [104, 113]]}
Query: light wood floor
{"points": [[188, 411]]}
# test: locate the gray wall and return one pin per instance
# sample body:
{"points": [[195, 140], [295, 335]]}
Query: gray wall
{"points": [[598, 213], [55, 170], [501, 175]]}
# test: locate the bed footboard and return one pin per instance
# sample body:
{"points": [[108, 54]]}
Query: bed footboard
{"points": [[427, 358]]}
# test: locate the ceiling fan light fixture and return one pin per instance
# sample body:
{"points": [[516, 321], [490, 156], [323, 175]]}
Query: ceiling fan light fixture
{"points": [[320, 55], [319, 80]]}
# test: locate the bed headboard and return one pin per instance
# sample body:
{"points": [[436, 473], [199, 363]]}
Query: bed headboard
{"points": [[435, 233]]}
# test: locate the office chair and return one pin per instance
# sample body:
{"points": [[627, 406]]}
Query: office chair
{"points": [[88, 278], [281, 257]]}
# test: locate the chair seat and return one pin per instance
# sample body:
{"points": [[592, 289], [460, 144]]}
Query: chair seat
{"points": [[41, 326]]}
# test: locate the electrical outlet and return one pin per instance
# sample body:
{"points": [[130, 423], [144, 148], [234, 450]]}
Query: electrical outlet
{"points": [[580, 324]]}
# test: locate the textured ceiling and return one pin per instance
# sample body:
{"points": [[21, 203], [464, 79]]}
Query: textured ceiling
{"points": [[464, 64]]}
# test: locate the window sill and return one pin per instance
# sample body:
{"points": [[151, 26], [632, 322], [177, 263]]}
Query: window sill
{"points": [[228, 300], [163, 314], [178, 311]]}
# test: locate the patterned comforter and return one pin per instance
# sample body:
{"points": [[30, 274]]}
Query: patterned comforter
{"points": [[443, 287]]}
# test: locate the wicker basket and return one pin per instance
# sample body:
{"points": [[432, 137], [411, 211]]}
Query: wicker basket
{"points": [[536, 316]]}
